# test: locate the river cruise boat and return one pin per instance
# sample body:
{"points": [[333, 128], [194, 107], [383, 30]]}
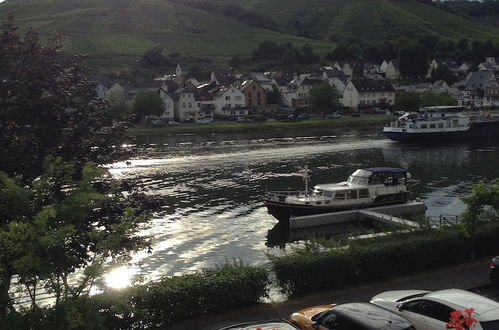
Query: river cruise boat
{"points": [[439, 123], [368, 187]]}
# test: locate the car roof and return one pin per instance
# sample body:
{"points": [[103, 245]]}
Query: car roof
{"points": [[371, 316], [263, 325], [466, 299]]}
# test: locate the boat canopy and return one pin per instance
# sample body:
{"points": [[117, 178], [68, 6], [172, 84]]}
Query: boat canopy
{"points": [[386, 170]]}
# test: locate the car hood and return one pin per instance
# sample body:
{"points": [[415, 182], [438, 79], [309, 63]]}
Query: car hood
{"points": [[309, 312], [391, 299]]}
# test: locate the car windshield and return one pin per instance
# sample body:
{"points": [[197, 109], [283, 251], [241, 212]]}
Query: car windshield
{"points": [[490, 325], [417, 295]]}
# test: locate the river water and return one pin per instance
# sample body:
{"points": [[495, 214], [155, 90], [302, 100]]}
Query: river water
{"points": [[213, 186]]}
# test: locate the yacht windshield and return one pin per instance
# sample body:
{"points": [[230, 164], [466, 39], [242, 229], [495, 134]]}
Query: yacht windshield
{"points": [[359, 180]]}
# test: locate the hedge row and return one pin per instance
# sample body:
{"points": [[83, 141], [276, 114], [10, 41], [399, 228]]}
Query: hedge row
{"points": [[309, 269], [155, 305]]}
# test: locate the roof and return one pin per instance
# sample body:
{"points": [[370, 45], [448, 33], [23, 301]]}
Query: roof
{"points": [[465, 299], [371, 316], [386, 169], [369, 85]]}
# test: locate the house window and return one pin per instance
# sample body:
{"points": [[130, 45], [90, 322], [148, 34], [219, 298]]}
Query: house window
{"points": [[254, 87], [249, 94], [258, 94], [227, 98], [190, 105], [241, 112], [183, 105]]}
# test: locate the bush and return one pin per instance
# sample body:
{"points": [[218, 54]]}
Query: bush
{"points": [[156, 304], [307, 270]]}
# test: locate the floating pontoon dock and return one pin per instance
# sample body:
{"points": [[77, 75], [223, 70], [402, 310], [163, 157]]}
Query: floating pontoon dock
{"points": [[386, 214]]}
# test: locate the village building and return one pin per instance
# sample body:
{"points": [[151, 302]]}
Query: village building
{"points": [[229, 102], [255, 95], [363, 93]]}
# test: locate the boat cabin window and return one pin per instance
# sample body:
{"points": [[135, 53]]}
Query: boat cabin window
{"points": [[327, 194], [339, 195], [353, 179], [363, 193], [432, 125], [351, 194], [440, 125], [375, 179], [423, 126]]}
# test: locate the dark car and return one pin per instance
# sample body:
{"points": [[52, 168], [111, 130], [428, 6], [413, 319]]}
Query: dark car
{"points": [[265, 325], [351, 316], [494, 271]]}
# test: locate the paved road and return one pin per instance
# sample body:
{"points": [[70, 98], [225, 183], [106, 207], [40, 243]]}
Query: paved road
{"points": [[470, 276]]}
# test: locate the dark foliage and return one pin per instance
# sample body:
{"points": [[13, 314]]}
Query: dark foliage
{"points": [[48, 107], [314, 269], [284, 55]]}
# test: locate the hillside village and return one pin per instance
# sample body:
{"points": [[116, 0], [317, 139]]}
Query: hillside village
{"points": [[206, 93]]}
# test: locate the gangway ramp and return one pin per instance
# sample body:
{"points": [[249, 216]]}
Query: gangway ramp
{"points": [[390, 219], [381, 213]]}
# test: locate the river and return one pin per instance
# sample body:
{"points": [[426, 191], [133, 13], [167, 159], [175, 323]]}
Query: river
{"points": [[213, 187]]}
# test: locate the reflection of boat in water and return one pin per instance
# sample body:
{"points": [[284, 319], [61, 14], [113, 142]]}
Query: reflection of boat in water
{"points": [[367, 187], [442, 123]]}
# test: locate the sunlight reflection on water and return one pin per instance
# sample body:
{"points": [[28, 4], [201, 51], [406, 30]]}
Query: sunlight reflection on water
{"points": [[213, 190]]}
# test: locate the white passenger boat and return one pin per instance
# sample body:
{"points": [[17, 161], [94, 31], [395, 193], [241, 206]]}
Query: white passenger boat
{"points": [[439, 123], [366, 187]]}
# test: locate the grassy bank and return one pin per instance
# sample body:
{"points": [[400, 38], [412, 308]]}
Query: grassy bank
{"points": [[269, 126]]}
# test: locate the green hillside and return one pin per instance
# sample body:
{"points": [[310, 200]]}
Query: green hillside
{"points": [[130, 27], [120, 29], [370, 20]]}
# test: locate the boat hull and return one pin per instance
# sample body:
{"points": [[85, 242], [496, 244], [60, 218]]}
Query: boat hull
{"points": [[283, 211], [482, 130]]}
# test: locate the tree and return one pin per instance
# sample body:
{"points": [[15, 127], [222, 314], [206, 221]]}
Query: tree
{"points": [[444, 73], [117, 99], [274, 96], [429, 98], [407, 102], [482, 198], [57, 225], [147, 103], [48, 107], [324, 96]]}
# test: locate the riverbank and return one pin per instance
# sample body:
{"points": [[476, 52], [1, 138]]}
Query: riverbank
{"points": [[268, 126]]}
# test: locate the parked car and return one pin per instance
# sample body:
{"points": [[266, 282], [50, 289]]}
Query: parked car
{"points": [[266, 325], [303, 116], [157, 123], [203, 121], [334, 116], [431, 310], [494, 271], [351, 316], [173, 122]]}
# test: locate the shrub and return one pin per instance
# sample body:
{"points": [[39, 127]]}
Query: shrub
{"points": [[307, 270]]}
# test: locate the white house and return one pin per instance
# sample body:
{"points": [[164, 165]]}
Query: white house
{"points": [[169, 104], [185, 104], [229, 101], [296, 93], [392, 72], [360, 93], [100, 90]]}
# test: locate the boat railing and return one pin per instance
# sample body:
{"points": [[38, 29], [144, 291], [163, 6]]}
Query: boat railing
{"points": [[445, 219], [280, 196]]}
